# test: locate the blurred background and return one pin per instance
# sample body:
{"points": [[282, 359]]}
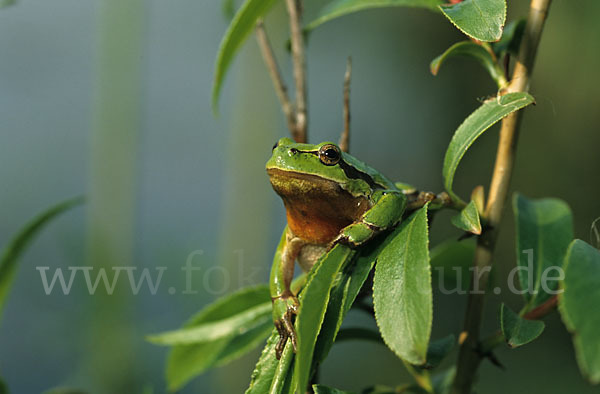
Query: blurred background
{"points": [[111, 99]]}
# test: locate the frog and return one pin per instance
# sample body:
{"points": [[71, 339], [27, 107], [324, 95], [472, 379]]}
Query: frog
{"points": [[330, 197]]}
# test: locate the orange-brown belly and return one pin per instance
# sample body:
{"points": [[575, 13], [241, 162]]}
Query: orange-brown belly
{"points": [[321, 221], [317, 209], [314, 228]]}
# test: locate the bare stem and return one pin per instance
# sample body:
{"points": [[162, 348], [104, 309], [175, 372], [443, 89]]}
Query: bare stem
{"points": [[345, 137], [542, 310], [469, 358], [271, 63], [294, 8]]}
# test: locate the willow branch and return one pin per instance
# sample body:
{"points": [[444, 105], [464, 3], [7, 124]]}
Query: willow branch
{"points": [[469, 358], [510, 126], [294, 8], [345, 137], [271, 63]]}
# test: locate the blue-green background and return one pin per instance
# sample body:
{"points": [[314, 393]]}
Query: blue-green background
{"points": [[112, 99]]}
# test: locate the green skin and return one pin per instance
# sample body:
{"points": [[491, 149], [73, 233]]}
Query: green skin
{"points": [[330, 197]]}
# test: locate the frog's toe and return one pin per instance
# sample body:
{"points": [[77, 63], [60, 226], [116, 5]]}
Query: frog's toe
{"points": [[285, 327], [282, 339], [289, 327], [285, 309]]}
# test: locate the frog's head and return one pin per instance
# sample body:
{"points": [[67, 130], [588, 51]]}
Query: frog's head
{"points": [[323, 189], [296, 168]]}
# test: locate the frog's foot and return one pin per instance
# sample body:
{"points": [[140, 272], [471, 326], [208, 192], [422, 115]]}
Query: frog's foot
{"points": [[356, 234], [285, 309]]}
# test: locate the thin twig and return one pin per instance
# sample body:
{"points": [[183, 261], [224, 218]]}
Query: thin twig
{"points": [[542, 310], [345, 137], [510, 125], [294, 8], [469, 358], [271, 63]]}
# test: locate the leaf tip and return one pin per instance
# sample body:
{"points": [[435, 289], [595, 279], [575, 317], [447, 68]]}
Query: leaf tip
{"points": [[434, 66]]}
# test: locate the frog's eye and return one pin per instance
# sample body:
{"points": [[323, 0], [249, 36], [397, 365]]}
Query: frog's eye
{"points": [[275, 146], [329, 154]]}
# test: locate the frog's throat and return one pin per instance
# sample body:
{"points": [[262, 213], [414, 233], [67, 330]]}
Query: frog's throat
{"points": [[317, 208]]}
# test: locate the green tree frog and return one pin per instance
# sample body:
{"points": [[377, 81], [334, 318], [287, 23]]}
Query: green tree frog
{"points": [[329, 197]]}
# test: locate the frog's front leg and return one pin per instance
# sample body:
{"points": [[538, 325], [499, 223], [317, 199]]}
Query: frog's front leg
{"points": [[386, 212], [285, 303]]}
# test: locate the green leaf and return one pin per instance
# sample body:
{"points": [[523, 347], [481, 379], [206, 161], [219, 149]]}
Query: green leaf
{"points": [[511, 38], [479, 121], [438, 350], [313, 302], [243, 320], [544, 229], [342, 296], [442, 381], [263, 373], [336, 8], [381, 389], [474, 51], [468, 219], [595, 233], [402, 293], [282, 378], [405, 187], [243, 343], [234, 325], [15, 248], [267, 367], [578, 305], [480, 19], [6, 3], [63, 390], [240, 28], [320, 389], [516, 330], [3, 387], [450, 263]]}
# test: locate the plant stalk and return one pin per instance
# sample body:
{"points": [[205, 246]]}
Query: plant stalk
{"points": [[273, 68], [469, 358], [294, 8], [345, 137]]}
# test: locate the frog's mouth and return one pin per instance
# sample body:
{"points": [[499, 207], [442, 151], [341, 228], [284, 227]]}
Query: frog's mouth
{"points": [[288, 183]]}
